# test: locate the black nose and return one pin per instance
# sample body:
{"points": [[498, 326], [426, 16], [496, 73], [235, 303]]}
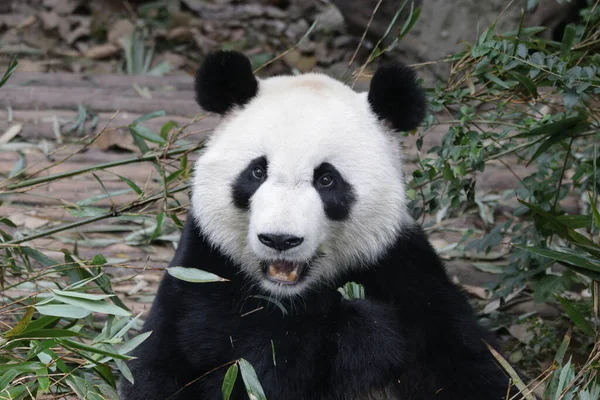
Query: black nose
{"points": [[280, 242]]}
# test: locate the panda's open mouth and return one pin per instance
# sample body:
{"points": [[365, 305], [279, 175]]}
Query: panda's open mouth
{"points": [[285, 272]]}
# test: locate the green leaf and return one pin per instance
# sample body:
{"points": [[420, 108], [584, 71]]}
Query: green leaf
{"points": [[148, 116], [22, 324], [71, 344], [99, 259], [79, 295], [19, 166], [194, 275], [557, 138], [526, 82], [131, 184], [21, 367], [558, 227], [552, 386], [40, 323], [83, 212], [48, 333], [575, 221], [516, 380], [568, 40], [43, 379], [92, 305], [102, 196], [39, 257], [565, 258], [410, 21], [160, 219], [133, 343], [63, 310], [12, 66], [145, 133], [166, 128], [576, 316], [253, 386], [139, 141], [595, 211], [554, 127], [229, 381], [7, 222], [8, 377], [497, 81]]}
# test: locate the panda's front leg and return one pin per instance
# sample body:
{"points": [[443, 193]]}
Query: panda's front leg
{"points": [[369, 350]]}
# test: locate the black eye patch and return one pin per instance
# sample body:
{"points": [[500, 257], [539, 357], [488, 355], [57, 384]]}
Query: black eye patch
{"points": [[336, 193], [248, 182]]}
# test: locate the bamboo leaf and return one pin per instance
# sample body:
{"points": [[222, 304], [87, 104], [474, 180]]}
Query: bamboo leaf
{"points": [[517, 381], [166, 128], [71, 344], [12, 66], [160, 219], [131, 184], [22, 324], [595, 212], [251, 382], [567, 258], [194, 275], [526, 82], [133, 343], [554, 127], [229, 381], [559, 227], [576, 316], [39, 257], [145, 133], [7, 222], [8, 377], [48, 333], [568, 40], [410, 21], [152, 115], [79, 295], [63, 310], [94, 306], [43, 379]]}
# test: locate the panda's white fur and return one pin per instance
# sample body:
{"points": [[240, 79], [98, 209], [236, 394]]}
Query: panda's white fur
{"points": [[298, 123]]}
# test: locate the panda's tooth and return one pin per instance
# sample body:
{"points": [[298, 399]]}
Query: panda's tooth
{"points": [[288, 272]]}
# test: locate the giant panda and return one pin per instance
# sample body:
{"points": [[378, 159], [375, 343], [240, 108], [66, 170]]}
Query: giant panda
{"points": [[299, 190]]}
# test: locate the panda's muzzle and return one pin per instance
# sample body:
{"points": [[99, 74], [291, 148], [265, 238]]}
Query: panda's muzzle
{"points": [[285, 272]]}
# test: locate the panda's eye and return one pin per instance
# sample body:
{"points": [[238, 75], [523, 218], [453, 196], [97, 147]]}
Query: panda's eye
{"points": [[258, 173], [325, 180]]}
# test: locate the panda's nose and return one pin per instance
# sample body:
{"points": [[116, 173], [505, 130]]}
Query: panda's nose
{"points": [[280, 242]]}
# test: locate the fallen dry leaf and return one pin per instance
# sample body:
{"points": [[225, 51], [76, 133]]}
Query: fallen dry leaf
{"points": [[50, 20], [28, 221], [102, 51], [180, 33], [27, 22], [118, 138], [119, 29], [521, 332], [10, 133], [62, 6]]}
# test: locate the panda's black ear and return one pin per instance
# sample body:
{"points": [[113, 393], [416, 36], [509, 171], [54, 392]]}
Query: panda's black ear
{"points": [[224, 80], [395, 96]]}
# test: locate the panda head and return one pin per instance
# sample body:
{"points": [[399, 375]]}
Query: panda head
{"points": [[302, 178]]}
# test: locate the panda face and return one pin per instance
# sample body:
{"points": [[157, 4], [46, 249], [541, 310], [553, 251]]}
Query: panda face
{"points": [[302, 179], [300, 184]]}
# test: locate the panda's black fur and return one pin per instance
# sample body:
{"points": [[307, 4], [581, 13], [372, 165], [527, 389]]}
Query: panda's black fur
{"points": [[414, 336]]}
